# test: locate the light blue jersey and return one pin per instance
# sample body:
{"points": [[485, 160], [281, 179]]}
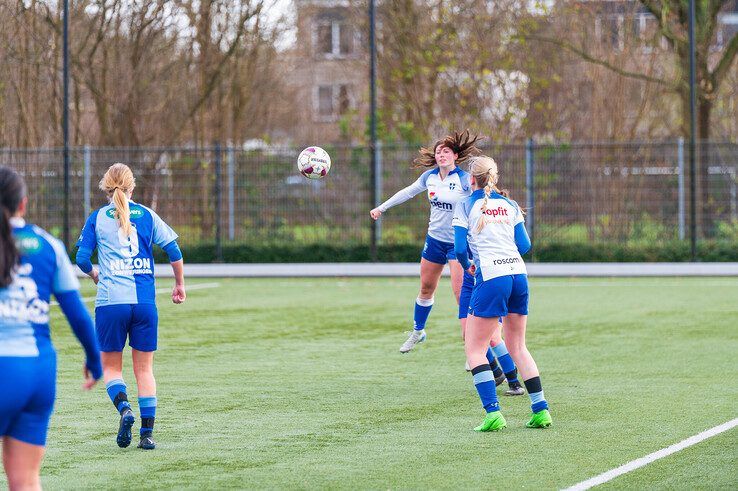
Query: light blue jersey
{"points": [[126, 263], [44, 269]]}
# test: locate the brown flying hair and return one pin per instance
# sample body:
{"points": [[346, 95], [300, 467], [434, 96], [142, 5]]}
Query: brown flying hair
{"points": [[462, 144]]}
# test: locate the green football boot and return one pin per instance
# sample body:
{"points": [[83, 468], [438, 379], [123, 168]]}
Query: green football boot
{"points": [[494, 421], [541, 419]]}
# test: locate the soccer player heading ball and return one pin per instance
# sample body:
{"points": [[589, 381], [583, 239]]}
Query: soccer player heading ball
{"points": [[33, 265], [492, 226], [124, 233], [446, 185]]}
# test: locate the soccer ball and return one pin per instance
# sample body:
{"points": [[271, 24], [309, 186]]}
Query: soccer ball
{"points": [[314, 163]]}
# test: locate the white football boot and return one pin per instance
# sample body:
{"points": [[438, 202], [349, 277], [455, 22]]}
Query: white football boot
{"points": [[415, 338]]}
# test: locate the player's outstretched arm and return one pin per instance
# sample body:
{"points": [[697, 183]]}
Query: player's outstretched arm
{"points": [[401, 196]]}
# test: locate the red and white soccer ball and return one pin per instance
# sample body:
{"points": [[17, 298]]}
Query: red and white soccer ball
{"points": [[314, 163]]}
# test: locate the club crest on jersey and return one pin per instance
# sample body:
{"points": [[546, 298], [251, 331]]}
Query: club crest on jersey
{"points": [[452, 186]]}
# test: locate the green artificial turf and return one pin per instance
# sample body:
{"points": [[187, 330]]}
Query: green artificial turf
{"points": [[298, 383]]}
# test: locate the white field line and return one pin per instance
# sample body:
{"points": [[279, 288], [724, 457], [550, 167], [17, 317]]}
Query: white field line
{"points": [[197, 286], [659, 454]]}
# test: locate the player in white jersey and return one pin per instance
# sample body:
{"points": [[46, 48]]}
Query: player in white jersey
{"points": [[492, 226], [446, 184]]}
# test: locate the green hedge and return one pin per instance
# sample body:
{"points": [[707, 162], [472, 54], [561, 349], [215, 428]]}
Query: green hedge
{"points": [[708, 251]]}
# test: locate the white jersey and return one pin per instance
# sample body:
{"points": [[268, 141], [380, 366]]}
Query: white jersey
{"points": [[494, 248], [443, 195]]}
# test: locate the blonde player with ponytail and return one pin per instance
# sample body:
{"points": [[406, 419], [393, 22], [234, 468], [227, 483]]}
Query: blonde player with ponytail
{"points": [[124, 233], [493, 227]]}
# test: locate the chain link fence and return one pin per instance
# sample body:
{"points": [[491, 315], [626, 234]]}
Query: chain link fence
{"points": [[617, 194]]}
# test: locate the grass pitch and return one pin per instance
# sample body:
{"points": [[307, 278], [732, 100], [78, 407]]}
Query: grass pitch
{"points": [[298, 383]]}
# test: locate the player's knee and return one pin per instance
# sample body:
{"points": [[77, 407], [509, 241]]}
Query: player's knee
{"points": [[143, 370], [23, 480], [427, 290]]}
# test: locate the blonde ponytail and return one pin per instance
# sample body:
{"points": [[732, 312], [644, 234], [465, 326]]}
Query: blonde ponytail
{"points": [[485, 172], [122, 211], [118, 182]]}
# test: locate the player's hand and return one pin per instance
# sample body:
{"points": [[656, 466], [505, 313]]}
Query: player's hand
{"points": [[472, 269], [178, 294], [90, 381], [376, 213], [95, 275]]}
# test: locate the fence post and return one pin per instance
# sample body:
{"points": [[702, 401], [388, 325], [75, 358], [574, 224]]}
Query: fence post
{"points": [[86, 182], [378, 188], [218, 203], [680, 164], [530, 186], [231, 193]]}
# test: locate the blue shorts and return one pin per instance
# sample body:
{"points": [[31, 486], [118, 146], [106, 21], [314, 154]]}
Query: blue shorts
{"points": [[27, 392], [467, 287], [499, 296], [139, 322], [438, 252]]}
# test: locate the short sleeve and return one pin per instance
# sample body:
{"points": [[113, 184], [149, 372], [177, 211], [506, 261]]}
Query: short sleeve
{"points": [[64, 278], [465, 179], [87, 238], [519, 216], [461, 215], [422, 182], [162, 233]]}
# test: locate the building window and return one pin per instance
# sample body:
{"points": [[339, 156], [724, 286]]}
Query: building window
{"points": [[325, 101], [334, 37], [333, 101], [607, 29]]}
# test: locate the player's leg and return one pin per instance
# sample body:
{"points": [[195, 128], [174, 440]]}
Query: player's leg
{"points": [[457, 278], [144, 343], [488, 302], [430, 274], [25, 431], [111, 324], [478, 334], [467, 287], [498, 349], [22, 463], [515, 324]]}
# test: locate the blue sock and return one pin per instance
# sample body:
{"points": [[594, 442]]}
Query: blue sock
{"points": [[117, 393], [423, 307], [484, 381], [147, 406], [506, 362], [535, 391], [496, 370]]}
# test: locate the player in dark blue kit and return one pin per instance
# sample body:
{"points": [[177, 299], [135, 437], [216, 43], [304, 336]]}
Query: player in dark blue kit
{"points": [[124, 233], [33, 265]]}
